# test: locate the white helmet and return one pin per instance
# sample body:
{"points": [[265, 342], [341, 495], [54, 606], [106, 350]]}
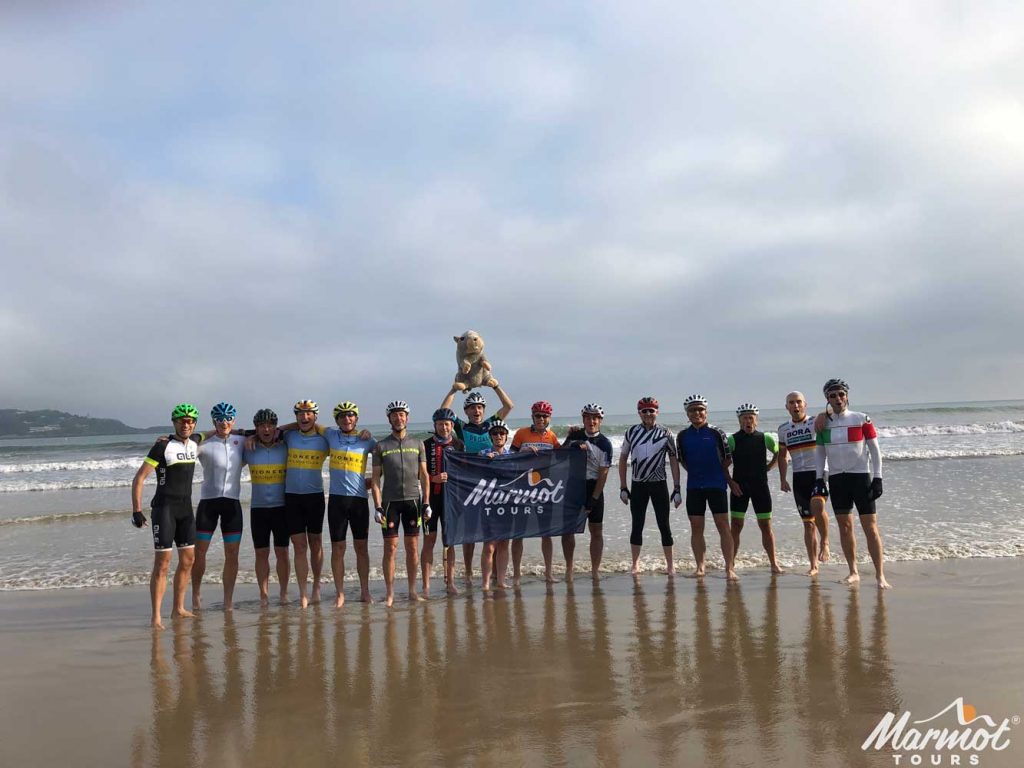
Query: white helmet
{"points": [[397, 405], [693, 400]]}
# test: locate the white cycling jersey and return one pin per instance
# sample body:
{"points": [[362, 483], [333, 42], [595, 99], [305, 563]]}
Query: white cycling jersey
{"points": [[851, 445], [222, 460]]}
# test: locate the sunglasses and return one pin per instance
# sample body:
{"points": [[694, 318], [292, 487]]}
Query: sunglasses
{"points": [[837, 393], [647, 411]]}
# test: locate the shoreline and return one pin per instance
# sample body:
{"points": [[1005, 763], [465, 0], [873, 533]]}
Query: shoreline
{"points": [[649, 671]]}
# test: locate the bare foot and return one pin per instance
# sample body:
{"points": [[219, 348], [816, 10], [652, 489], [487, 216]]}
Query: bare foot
{"points": [[883, 584], [228, 607], [197, 602], [777, 568], [264, 601], [635, 570], [486, 588], [182, 614], [568, 577], [416, 598], [812, 571], [550, 578], [697, 574], [315, 596], [389, 600], [502, 585], [670, 570], [340, 601], [853, 578], [283, 598], [156, 623], [824, 553], [365, 597], [468, 580], [730, 575], [452, 589], [303, 601], [516, 582], [595, 577]]}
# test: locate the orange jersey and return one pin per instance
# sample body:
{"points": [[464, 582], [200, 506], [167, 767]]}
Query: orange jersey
{"points": [[527, 438]]}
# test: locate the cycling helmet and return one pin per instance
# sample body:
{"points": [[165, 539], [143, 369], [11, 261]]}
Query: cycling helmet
{"points": [[592, 409], [307, 405], [185, 411], [646, 402], [747, 408], [223, 412], [443, 414], [693, 400], [397, 405], [542, 407], [474, 398], [833, 384], [497, 425], [345, 407], [264, 416]]}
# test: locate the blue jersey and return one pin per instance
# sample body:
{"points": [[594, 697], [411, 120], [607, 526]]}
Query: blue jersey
{"points": [[701, 452], [348, 462], [266, 473], [475, 437], [306, 454]]}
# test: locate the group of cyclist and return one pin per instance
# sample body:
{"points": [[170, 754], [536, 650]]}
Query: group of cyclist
{"points": [[724, 473]]}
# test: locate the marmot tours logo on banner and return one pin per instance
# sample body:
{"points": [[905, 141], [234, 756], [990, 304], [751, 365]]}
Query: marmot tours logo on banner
{"points": [[526, 494], [957, 735]]}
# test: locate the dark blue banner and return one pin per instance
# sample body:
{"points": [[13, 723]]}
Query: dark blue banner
{"points": [[515, 496]]}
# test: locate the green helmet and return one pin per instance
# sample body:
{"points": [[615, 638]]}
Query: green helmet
{"points": [[185, 411]]}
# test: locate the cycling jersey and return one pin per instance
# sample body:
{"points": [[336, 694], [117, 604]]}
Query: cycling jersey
{"points": [[266, 473], [527, 438], [175, 464], [798, 437], [702, 452], [399, 460], [348, 462], [851, 445], [222, 459], [435, 451], [750, 456], [475, 437], [306, 454], [647, 449], [599, 450]]}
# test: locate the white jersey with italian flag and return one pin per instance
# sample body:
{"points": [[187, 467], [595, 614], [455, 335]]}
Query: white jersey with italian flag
{"points": [[851, 445]]}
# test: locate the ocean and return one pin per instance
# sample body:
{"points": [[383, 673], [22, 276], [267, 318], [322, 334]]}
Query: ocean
{"points": [[952, 474]]}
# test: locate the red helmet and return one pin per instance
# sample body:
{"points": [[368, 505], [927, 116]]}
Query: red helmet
{"points": [[542, 407], [647, 402]]}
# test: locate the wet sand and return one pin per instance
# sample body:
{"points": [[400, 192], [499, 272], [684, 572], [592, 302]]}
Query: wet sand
{"points": [[772, 672]]}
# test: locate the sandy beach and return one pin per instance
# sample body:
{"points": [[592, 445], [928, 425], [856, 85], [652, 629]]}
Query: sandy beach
{"points": [[772, 672]]}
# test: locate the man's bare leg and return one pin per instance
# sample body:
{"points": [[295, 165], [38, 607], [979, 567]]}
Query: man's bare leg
{"points": [[569, 553], [363, 569], [486, 559], [388, 567], [284, 569], [670, 563], [467, 561], [501, 559], [849, 542], [697, 544], [230, 573], [449, 571], [517, 562], [301, 548], [820, 512], [186, 559], [427, 561], [158, 585], [316, 561], [874, 538], [198, 571], [412, 558], [338, 570], [546, 551], [735, 528], [596, 550], [634, 550], [811, 543], [768, 542], [725, 535], [262, 566]]}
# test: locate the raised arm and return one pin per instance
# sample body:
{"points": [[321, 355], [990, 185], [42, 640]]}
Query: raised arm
{"points": [[506, 402]]}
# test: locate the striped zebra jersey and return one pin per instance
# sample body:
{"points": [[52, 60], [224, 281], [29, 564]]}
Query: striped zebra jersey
{"points": [[647, 449]]}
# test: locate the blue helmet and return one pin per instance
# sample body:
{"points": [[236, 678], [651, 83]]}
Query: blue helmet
{"points": [[223, 412], [444, 414]]}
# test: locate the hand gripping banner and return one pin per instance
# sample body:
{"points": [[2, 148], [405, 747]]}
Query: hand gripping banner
{"points": [[515, 496]]}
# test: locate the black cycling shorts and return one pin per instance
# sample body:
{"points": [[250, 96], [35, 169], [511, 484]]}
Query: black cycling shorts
{"points": [[850, 489], [437, 508], [759, 494], [596, 514], [803, 483], [698, 500], [173, 524], [267, 520], [305, 513], [343, 511], [407, 512], [227, 511]]}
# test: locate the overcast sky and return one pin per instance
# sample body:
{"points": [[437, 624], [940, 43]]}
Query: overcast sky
{"points": [[207, 201]]}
